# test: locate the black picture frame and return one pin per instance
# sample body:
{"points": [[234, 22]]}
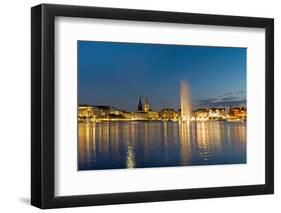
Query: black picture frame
{"points": [[43, 110]]}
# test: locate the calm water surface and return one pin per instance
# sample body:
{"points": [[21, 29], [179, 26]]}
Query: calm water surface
{"points": [[115, 145]]}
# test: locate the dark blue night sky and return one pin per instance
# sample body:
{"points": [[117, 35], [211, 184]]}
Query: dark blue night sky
{"points": [[116, 74]]}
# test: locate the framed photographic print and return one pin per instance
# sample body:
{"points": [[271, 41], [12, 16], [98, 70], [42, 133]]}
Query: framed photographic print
{"points": [[139, 106]]}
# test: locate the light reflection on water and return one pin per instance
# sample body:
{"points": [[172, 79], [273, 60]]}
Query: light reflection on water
{"points": [[115, 145]]}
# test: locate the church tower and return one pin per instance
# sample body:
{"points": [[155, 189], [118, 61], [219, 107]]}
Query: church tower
{"points": [[146, 107], [140, 105]]}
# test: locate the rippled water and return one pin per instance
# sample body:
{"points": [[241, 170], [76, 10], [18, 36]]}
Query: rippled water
{"points": [[140, 144]]}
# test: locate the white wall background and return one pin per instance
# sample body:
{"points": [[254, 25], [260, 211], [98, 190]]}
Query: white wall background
{"points": [[15, 105]]}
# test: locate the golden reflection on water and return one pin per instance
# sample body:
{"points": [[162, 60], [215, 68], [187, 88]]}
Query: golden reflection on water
{"points": [[130, 157], [149, 144], [202, 135], [184, 133], [86, 145]]}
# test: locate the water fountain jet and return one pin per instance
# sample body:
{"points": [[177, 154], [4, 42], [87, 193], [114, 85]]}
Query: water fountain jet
{"points": [[185, 102]]}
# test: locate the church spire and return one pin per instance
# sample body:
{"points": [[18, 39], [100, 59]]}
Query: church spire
{"points": [[140, 105], [146, 106]]}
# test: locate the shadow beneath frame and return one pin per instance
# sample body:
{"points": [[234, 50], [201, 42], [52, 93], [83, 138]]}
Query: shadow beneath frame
{"points": [[25, 200]]}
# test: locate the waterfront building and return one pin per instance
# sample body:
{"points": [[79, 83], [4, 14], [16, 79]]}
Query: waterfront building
{"points": [[128, 115], [85, 112], [217, 113], [153, 115], [168, 114], [138, 116], [104, 110], [201, 114], [238, 113], [109, 112]]}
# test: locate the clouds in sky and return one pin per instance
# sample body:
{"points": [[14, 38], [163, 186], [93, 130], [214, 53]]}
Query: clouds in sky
{"points": [[225, 100]]}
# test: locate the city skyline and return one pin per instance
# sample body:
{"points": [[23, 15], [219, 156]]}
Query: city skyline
{"points": [[145, 100], [117, 74]]}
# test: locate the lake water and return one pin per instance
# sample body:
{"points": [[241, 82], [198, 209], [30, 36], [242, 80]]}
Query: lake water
{"points": [[141, 144]]}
